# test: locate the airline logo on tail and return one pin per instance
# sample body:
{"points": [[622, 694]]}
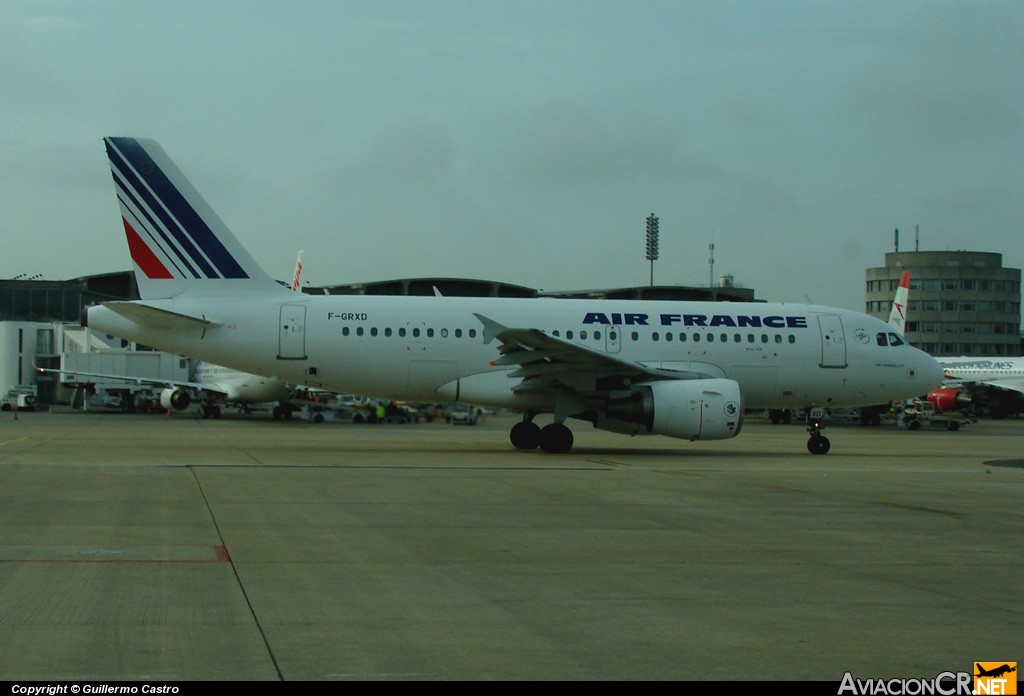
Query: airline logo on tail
{"points": [[167, 236], [898, 315]]}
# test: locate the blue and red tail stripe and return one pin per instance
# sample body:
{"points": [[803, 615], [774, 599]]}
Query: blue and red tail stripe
{"points": [[165, 223]]}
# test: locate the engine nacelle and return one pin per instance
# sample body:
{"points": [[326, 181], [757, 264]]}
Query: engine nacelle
{"points": [[948, 398], [177, 399], [693, 409]]}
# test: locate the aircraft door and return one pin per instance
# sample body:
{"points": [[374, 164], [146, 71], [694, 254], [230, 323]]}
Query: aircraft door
{"points": [[292, 335], [833, 341]]}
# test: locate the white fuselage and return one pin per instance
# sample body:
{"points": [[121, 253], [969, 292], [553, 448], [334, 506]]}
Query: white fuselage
{"points": [[241, 387], [434, 348], [1007, 373]]}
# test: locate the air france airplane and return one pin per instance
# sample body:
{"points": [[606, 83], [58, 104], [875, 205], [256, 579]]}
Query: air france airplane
{"points": [[682, 369]]}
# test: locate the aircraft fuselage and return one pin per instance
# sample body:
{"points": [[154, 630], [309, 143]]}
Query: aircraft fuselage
{"points": [[435, 348]]}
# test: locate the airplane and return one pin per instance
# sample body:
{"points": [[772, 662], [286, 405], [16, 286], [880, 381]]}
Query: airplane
{"points": [[995, 671], [214, 385], [990, 384], [686, 370]]}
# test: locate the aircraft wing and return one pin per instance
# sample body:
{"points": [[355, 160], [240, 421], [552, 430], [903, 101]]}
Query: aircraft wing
{"points": [[547, 362], [1009, 384], [210, 389]]}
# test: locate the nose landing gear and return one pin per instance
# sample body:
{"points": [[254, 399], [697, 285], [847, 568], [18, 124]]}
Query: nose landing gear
{"points": [[817, 443]]}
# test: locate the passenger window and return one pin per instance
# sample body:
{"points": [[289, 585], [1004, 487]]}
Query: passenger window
{"points": [[373, 331], [710, 338], [416, 332], [583, 335], [792, 338], [668, 336], [387, 331], [635, 336], [359, 331], [778, 338], [444, 333], [472, 333], [682, 337], [568, 334], [430, 333], [654, 336], [401, 332], [344, 331]]}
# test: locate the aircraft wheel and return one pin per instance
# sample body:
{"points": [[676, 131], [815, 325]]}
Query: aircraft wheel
{"points": [[953, 425], [914, 425], [556, 438], [215, 411], [206, 411], [525, 436], [818, 445]]}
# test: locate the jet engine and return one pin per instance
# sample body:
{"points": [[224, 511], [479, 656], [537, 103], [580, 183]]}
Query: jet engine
{"points": [[177, 399], [694, 409], [949, 398]]}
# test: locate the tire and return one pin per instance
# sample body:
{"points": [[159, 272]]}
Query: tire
{"points": [[525, 436], [819, 445]]}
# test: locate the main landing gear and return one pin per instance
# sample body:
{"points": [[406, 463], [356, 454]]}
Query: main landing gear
{"points": [[555, 438], [817, 443], [209, 411]]}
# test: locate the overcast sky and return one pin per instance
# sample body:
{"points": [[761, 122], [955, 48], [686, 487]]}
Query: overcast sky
{"points": [[526, 141]]}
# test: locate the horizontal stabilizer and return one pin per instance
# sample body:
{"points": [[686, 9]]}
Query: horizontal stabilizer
{"points": [[158, 318]]}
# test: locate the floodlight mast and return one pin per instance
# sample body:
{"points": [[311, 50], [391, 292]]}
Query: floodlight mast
{"points": [[652, 242]]}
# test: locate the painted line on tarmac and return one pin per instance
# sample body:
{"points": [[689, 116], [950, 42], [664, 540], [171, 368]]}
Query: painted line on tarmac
{"points": [[917, 508]]}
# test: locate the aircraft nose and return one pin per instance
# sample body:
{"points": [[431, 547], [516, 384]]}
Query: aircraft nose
{"points": [[928, 371]]}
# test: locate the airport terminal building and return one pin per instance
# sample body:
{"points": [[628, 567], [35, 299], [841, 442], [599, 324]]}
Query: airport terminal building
{"points": [[961, 302]]}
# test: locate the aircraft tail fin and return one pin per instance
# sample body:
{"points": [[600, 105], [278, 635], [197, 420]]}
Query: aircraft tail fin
{"points": [[297, 278], [177, 243], [898, 314]]}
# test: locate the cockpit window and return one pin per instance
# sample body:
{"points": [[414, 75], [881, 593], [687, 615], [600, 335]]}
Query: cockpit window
{"points": [[884, 339]]}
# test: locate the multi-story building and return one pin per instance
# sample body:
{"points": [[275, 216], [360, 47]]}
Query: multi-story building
{"points": [[961, 302]]}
